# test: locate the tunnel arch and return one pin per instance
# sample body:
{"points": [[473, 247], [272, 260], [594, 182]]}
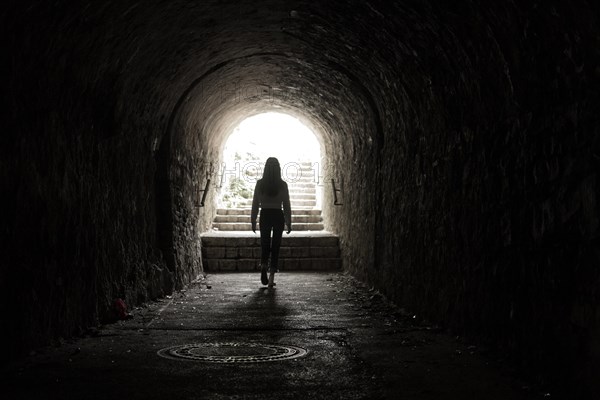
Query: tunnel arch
{"points": [[212, 105], [480, 174]]}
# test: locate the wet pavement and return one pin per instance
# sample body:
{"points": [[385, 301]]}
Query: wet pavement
{"points": [[314, 336]]}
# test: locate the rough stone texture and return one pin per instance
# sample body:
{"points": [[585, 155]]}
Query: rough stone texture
{"points": [[359, 348], [464, 139], [240, 251]]}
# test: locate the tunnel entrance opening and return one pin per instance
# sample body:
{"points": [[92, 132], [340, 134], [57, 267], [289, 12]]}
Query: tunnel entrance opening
{"points": [[264, 135], [300, 144]]}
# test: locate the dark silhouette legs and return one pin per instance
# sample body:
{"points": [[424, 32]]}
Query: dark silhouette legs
{"points": [[270, 219]]}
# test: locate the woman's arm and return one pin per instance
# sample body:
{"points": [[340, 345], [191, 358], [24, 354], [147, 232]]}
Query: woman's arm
{"points": [[255, 204], [287, 210]]}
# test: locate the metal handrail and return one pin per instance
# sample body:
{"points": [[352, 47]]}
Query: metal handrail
{"points": [[204, 193], [222, 177], [335, 192]]}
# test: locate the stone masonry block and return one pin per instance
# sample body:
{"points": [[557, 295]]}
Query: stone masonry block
{"points": [[326, 264], [227, 265], [211, 265], [325, 241], [231, 252], [290, 264], [285, 252], [301, 252], [214, 252], [247, 265], [246, 252], [323, 252], [214, 241]]}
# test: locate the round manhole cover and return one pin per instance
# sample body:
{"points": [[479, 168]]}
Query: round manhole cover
{"points": [[228, 353]]}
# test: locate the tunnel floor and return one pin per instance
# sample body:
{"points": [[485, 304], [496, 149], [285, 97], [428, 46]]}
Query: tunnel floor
{"points": [[344, 341]]}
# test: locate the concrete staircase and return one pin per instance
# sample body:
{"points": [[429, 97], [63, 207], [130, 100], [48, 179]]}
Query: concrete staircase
{"points": [[303, 199], [238, 219], [240, 252], [232, 246]]}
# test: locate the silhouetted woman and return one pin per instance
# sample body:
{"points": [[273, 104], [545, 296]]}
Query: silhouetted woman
{"points": [[271, 194]]}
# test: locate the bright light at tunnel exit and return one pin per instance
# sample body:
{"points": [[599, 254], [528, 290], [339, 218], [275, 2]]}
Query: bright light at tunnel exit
{"points": [[273, 135], [254, 140]]}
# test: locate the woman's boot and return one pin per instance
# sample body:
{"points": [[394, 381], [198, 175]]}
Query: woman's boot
{"points": [[263, 273], [272, 279]]}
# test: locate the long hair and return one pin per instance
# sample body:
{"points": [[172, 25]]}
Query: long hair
{"points": [[271, 179]]}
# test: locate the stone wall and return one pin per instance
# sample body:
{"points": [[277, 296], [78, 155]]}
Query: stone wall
{"points": [[464, 140], [487, 215]]}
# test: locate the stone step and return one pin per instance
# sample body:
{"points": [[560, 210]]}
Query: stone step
{"points": [[306, 176], [303, 196], [307, 180], [303, 203], [295, 173], [247, 211], [240, 226], [240, 251], [299, 200], [295, 210], [296, 191], [294, 198], [284, 252], [285, 264], [246, 218], [293, 202], [302, 185], [250, 239]]}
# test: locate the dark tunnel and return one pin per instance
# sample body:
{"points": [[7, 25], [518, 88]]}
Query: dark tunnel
{"points": [[464, 137]]}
